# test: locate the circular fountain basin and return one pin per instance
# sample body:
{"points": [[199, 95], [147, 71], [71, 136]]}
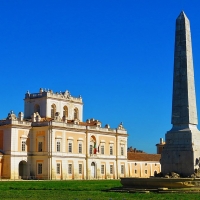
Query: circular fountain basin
{"points": [[159, 182]]}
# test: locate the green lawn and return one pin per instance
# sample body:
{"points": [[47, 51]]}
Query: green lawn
{"points": [[76, 190]]}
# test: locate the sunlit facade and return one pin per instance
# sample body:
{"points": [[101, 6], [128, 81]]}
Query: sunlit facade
{"points": [[51, 141]]}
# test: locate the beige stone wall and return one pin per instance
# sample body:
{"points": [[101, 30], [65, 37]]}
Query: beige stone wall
{"points": [[1, 139], [143, 169], [135, 169], [75, 138], [1, 165], [6, 167], [108, 141]]}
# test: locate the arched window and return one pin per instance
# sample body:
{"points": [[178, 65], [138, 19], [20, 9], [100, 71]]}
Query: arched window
{"points": [[53, 111], [37, 108], [65, 111], [76, 113]]}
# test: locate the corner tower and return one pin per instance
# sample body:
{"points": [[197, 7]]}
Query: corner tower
{"points": [[52, 105], [181, 153]]}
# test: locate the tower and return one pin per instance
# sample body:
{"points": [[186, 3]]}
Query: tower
{"points": [[181, 153]]}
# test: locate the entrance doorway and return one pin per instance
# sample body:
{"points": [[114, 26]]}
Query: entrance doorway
{"points": [[93, 171], [23, 174]]}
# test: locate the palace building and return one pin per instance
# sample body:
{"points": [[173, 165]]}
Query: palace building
{"points": [[51, 141]]}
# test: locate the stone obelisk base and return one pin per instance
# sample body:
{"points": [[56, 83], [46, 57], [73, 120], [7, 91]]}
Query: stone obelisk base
{"points": [[181, 154]]}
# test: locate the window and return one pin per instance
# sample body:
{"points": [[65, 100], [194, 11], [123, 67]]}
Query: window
{"points": [[58, 146], [37, 108], [102, 149], [145, 171], [111, 169], [76, 113], [23, 145], [70, 148], [111, 150], [102, 169], [91, 147], [40, 146], [58, 168], [39, 168], [65, 111], [135, 171], [145, 164], [70, 169], [53, 111], [80, 168], [122, 169], [79, 148], [122, 151]]}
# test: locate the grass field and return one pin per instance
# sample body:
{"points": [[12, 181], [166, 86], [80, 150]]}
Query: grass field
{"points": [[76, 190]]}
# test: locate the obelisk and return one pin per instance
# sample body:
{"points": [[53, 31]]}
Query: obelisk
{"points": [[181, 153]]}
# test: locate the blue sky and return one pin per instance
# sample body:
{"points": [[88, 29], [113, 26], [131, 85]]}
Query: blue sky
{"points": [[118, 55]]}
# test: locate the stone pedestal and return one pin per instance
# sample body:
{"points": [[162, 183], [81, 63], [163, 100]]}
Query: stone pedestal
{"points": [[182, 151]]}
